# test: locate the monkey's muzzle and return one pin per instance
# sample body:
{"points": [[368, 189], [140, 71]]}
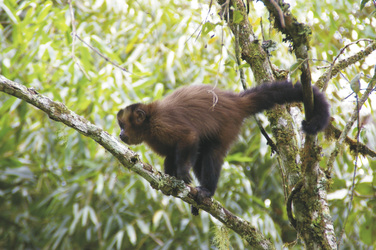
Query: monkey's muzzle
{"points": [[124, 138]]}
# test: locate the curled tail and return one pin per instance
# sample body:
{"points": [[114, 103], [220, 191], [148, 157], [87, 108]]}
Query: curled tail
{"points": [[267, 95]]}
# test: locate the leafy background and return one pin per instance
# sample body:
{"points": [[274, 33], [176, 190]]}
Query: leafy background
{"points": [[61, 190]]}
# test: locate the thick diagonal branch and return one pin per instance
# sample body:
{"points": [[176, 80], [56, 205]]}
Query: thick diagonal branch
{"points": [[168, 185]]}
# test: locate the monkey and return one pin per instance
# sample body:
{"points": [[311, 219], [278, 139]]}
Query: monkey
{"points": [[194, 126]]}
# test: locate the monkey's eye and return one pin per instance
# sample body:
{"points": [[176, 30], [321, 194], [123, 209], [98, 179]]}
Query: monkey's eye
{"points": [[124, 126], [121, 125]]}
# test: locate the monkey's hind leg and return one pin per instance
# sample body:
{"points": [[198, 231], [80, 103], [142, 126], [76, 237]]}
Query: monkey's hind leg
{"points": [[185, 157], [207, 169], [169, 165]]}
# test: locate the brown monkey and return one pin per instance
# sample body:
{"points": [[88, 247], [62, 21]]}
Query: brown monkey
{"points": [[195, 125]]}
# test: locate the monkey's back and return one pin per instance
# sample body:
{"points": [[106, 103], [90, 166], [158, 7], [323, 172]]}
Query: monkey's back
{"points": [[202, 111]]}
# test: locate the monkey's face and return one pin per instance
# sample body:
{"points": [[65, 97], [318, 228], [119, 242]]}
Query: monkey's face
{"points": [[131, 126]]}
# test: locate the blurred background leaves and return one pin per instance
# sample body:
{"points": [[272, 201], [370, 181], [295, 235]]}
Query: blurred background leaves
{"points": [[60, 190]]}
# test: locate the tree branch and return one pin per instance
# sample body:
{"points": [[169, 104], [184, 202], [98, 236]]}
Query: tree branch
{"points": [[342, 64], [314, 201], [310, 198], [251, 50], [253, 53], [299, 35], [349, 124], [335, 133], [168, 185]]}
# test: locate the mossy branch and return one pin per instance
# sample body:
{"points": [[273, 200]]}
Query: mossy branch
{"points": [[350, 123], [333, 132], [342, 64], [310, 198]]}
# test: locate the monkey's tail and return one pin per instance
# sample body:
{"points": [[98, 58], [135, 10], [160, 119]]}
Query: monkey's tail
{"points": [[267, 95]]}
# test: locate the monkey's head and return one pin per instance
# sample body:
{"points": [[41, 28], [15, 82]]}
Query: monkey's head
{"points": [[133, 124]]}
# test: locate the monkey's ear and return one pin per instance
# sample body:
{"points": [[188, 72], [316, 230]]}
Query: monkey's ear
{"points": [[120, 114], [140, 116]]}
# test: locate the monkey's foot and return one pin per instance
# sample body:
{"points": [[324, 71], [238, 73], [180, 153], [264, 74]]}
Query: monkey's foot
{"points": [[202, 194], [186, 177], [194, 210]]}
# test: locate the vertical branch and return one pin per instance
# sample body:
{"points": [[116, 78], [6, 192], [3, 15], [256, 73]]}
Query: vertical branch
{"points": [[310, 202], [251, 50], [299, 35], [237, 55], [354, 174]]}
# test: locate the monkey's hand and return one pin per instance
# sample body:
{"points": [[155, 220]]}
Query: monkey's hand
{"points": [[186, 177]]}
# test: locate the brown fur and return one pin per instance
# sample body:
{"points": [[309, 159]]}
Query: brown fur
{"points": [[195, 125]]}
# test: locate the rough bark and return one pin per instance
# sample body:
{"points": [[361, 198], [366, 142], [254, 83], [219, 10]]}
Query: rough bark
{"points": [[313, 221]]}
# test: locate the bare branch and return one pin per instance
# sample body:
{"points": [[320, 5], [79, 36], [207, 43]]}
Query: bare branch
{"points": [[103, 56], [74, 41], [75, 35]]}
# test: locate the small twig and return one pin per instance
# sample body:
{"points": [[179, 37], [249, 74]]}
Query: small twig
{"points": [[354, 175], [225, 7], [300, 63], [74, 41], [75, 35], [270, 142], [101, 55], [189, 38], [220, 60], [342, 64], [349, 44], [200, 25], [206, 19]]}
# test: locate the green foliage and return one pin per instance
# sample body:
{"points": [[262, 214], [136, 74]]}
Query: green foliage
{"points": [[238, 17], [60, 190], [221, 239]]}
